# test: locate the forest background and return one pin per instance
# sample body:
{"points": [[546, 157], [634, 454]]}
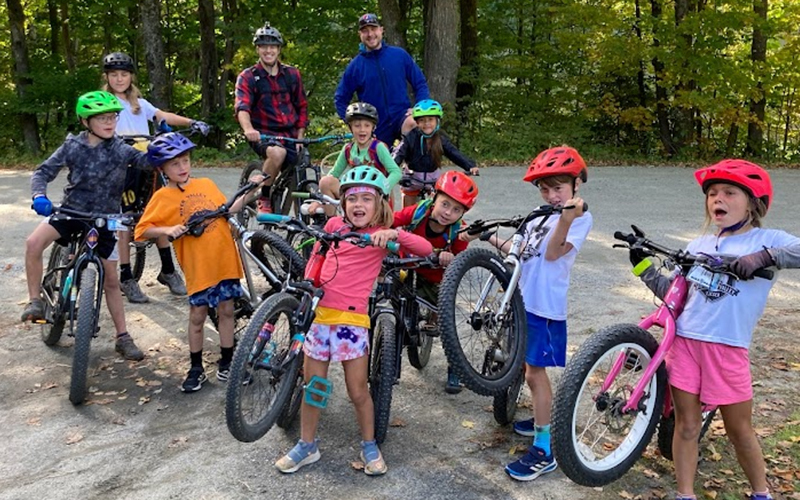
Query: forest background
{"points": [[643, 81]]}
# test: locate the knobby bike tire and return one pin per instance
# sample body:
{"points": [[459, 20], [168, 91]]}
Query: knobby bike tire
{"points": [[666, 430], [573, 458], [84, 331], [505, 403], [247, 215], [267, 246], [382, 372], [138, 260], [497, 371], [51, 332], [419, 355], [249, 375], [288, 415]]}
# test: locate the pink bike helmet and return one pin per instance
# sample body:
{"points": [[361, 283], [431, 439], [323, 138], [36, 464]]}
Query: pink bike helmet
{"points": [[748, 176]]}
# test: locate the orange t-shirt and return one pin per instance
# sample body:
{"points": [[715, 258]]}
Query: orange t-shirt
{"points": [[208, 259]]}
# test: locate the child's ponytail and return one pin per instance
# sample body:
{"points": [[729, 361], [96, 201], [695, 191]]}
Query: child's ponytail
{"points": [[434, 143]]}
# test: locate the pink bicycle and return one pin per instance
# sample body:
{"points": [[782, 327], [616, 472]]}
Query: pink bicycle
{"points": [[614, 389]]}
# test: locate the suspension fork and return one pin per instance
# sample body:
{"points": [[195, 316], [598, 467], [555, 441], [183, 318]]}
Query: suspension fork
{"points": [[513, 260]]}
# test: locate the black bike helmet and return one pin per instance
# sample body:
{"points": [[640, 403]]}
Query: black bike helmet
{"points": [[267, 35], [118, 61], [361, 110]]}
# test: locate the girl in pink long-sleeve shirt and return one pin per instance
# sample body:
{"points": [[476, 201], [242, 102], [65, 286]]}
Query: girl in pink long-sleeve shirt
{"points": [[340, 331]]}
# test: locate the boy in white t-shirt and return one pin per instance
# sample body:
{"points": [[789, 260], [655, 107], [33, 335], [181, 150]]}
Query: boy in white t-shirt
{"points": [[546, 263]]}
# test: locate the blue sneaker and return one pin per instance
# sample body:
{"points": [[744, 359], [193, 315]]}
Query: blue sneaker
{"points": [[760, 496], [453, 385], [532, 465], [525, 428]]}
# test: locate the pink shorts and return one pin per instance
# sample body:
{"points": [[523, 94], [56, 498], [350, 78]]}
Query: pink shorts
{"points": [[718, 373], [336, 342]]}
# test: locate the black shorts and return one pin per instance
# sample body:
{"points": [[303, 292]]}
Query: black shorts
{"points": [[69, 229], [291, 151]]}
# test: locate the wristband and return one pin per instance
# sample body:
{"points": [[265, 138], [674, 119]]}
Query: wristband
{"points": [[641, 267]]}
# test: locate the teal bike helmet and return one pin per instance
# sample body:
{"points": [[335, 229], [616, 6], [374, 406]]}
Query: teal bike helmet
{"points": [[427, 107], [364, 176]]}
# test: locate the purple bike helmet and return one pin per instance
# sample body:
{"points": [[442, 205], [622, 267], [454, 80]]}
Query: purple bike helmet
{"points": [[166, 147]]}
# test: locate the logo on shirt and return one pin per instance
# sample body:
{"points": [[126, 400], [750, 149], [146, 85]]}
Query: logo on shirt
{"points": [[534, 243], [713, 286]]}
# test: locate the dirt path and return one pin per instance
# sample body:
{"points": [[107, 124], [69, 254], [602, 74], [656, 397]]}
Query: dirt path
{"points": [[140, 437]]}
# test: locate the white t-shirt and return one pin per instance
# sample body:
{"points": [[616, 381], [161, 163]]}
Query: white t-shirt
{"points": [[545, 283], [131, 124], [729, 313]]}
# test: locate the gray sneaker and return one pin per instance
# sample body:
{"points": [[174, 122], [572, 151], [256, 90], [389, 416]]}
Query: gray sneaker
{"points": [[34, 311], [174, 282], [127, 347], [130, 289]]}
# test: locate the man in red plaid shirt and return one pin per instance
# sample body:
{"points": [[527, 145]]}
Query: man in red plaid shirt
{"points": [[270, 100]]}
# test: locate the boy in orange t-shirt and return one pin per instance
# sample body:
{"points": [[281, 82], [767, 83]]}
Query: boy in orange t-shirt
{"points": [[210, 262]]}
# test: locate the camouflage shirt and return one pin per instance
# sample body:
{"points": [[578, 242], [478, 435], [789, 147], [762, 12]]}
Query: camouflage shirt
{"points": [[96, 174]]}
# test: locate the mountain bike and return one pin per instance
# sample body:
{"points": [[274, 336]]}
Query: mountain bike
{"points": [[258, 250], [72, 289], [265, 385], [481, 313], [302, 177], [614, 389]]}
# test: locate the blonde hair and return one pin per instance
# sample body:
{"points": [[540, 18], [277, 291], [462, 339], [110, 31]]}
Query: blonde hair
{"points": [[384, 216], [132, 95]]}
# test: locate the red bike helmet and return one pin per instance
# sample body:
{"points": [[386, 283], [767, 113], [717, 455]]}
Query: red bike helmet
{"points": [[459, 186], [748, 176], [562, 160]]}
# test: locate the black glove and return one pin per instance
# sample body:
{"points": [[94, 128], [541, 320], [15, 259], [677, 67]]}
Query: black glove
{"points": [[745, 266], [637, 255]]}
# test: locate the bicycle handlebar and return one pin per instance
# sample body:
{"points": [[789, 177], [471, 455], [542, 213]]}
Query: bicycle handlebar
{"points": [[480, 226], [99, 219], [195, 226], [362, 238], [337, 138], [131, 138], [681, 257], [412, 262]]}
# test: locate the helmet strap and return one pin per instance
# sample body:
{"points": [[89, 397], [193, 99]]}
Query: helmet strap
{"points": [[89, 128], [735, 227]]}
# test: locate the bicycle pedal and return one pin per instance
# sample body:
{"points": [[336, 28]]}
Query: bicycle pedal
{"points": [[320, 387]]}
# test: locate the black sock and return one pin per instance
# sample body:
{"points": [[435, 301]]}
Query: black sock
{"points": [[196, 358], [226, 355], [167, 266], [265, 191], [121, 335], [125, 272]]}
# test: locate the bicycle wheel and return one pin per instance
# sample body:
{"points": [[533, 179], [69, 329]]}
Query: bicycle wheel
{"points": [[485, 346], [504, 406], [84, 331], [138, 257], [666, 430], [419, 347], [278, 256], [594, 442], [288, 415], [51, 289], [382, 372], [247, 215], [259, 384]]}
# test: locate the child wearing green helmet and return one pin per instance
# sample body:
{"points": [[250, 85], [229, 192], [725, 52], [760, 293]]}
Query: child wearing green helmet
{"points": [[97, 161], [365, 149], [340, 331], [422, 148]]}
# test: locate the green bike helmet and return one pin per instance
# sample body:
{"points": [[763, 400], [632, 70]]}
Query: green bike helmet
{"points": [[364, 176], [427, 107], [97, 103]]}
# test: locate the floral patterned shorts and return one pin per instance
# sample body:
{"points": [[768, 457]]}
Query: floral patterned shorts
{"points": [[212, 296], [336, 342]]}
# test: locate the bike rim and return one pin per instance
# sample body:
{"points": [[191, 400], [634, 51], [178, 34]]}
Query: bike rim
{"points": [[603, 439]]}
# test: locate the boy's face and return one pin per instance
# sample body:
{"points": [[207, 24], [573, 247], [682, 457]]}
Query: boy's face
{"points": [[427, 124], [446, 210], [556, 195], [178, 169], [362, 130], [119, 80], [103, 126]]}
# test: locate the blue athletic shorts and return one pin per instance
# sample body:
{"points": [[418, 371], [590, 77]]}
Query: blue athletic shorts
{"points": [[547, 341], [212, 296]]}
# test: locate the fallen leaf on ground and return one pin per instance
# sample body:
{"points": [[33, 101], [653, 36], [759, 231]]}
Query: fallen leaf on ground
{"points": [[397, 422], [651, 474], [624, 494], [710, 494], [8, 267], [357, 465], [75, 437], [467, 424], [178, 441], [143, 400], [35, 421]]}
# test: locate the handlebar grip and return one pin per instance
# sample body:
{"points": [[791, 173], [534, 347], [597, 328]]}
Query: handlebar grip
{"points": [[273, 218], [627, 238], [392, 246], [300, 194], [767, 274]]}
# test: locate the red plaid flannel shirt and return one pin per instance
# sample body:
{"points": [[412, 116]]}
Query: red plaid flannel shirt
{"points": [[277, 104]]}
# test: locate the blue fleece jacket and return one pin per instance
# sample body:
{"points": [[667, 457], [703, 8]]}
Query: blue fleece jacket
{"points": [[379, 77]]}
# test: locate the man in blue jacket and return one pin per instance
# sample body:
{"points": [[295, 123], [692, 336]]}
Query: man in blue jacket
{"points": [[378, 74]]}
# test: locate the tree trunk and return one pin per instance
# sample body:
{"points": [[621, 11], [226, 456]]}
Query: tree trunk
{"points": [[52, 17], [468, 74], [662, 114], [153, 41], [441, 49], [22, 78], [230, 11], [758, 105], [69, 55], [684, 122], [640, 74], [394, 23], [733, 137], [208, 59]]}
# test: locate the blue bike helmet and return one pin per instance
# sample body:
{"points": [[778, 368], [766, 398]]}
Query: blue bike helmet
{"points": [[166, 147]]}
